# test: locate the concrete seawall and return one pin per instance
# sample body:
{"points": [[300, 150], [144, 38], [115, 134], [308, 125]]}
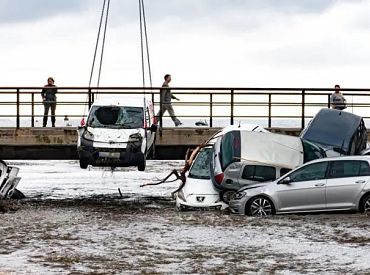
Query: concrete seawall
{"points": [[60, 143]]}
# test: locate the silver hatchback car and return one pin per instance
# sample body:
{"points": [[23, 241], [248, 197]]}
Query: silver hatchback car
{"points": [[329, 184]]}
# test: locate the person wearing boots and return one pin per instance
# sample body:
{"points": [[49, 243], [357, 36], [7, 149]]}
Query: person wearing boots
{"points": [[49, 100]]}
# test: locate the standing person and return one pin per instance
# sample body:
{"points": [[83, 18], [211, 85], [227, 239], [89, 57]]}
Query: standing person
{"points": [[166, 97], [49, 100], [337, 100]]}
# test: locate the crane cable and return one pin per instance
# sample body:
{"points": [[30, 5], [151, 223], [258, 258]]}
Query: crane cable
{"points": [[104, 12], [143, 32]]}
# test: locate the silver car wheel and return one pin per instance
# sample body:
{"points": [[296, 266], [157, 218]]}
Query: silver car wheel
{"points": [[367, 205], [260, 207]]}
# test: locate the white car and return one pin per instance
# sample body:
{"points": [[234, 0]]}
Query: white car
{"points": [[120, 131], [199, 192], [8, 180]]}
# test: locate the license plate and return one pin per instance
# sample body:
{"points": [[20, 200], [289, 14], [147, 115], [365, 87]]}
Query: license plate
{"points": [[112, 155]]}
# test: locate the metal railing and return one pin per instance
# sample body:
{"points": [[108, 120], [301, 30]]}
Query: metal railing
{"points": [[210, 103]]}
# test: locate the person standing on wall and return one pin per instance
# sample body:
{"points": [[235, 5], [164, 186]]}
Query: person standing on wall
{"points": [[337, 100], [49, 100], [166, 104]]}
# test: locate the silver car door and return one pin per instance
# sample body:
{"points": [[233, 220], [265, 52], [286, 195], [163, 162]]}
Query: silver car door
{"points": [[306, 190], [346, 179]]}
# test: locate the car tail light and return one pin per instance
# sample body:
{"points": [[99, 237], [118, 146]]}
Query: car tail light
{"points": [[219, 178]]}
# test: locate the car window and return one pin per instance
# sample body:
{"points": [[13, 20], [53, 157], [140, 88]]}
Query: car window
{"points": [[349, 168], [314, 171], [283, 171], [259, 173], [116, 117], [230, 148], [311, 151], [364, 168], [201, 165]]}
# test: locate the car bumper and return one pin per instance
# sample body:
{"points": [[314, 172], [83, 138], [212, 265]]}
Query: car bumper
{"points": [[102, 156], [182, 205], [236, 207]]}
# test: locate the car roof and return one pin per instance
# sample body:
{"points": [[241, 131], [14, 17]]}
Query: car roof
{"points": [[366, 158], [242, 126], [121, 100], [332, 127]]}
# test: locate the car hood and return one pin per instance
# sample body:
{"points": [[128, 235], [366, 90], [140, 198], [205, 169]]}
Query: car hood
{"points": [[199, 187], [113, 135], [253, 186]]}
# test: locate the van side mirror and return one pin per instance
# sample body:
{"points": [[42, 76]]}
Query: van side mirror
{"points": [[285, 180]]}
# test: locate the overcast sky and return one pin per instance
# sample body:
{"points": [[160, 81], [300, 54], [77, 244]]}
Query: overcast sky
{"points": [[240, 43]]}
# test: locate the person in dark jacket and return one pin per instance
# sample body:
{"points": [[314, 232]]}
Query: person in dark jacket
{"points": [[49, 100], [166, 104]]}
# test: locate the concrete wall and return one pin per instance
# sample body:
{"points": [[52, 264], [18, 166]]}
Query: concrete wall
{"points": [[60, 143]]}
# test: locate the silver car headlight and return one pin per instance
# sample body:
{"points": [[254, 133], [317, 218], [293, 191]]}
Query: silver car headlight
{"points": [[135, 137], [239, 195], [181, 195], [88, 135]]}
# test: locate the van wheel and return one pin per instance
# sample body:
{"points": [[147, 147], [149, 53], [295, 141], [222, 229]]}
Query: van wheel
{"points": [[227, 195], [17, 195], [84, 163], [142, 163]]}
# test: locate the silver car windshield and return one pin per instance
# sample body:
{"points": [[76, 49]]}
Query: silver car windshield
{"points": [[201, 165], [116, 117]]}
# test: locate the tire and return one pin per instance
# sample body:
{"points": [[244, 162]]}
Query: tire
{"points": [[84, 163], [142, 163], [260, 206], [226, 195], [365, 204], [17, 195]]}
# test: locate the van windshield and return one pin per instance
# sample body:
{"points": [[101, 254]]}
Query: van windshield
{"points": [[201, 166], [116, 117]]}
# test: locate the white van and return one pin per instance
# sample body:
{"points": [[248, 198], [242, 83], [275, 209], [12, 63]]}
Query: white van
{"points": [[120, 131]]}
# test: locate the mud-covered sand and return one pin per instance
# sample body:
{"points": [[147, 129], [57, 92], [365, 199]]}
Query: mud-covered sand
{"points": [[144, 234]]}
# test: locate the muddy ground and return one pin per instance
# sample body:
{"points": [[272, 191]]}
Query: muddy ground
{"points": [[148, 236], [63, 232]]}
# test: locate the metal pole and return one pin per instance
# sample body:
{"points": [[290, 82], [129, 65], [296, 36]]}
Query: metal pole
{"points": [[303, 109], [210, 110], [329, 101], [232, 107], [18, 120], [89, 96], [269, 119], [160, 113], [33, 110]]}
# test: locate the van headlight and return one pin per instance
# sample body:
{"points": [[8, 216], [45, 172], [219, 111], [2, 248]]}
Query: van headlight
{"points": [[239, 195], [180, 194], [88, 135], [135, 138]]}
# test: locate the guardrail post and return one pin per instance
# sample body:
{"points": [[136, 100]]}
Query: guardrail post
{"points": [[89, 96], [329, 101], [32, 109], [232, 107], [210, 110], [303, 109], [18, 119], [269, 119]]}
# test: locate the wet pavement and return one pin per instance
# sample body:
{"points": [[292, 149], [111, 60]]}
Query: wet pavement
{"points": [[75, 222]]}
